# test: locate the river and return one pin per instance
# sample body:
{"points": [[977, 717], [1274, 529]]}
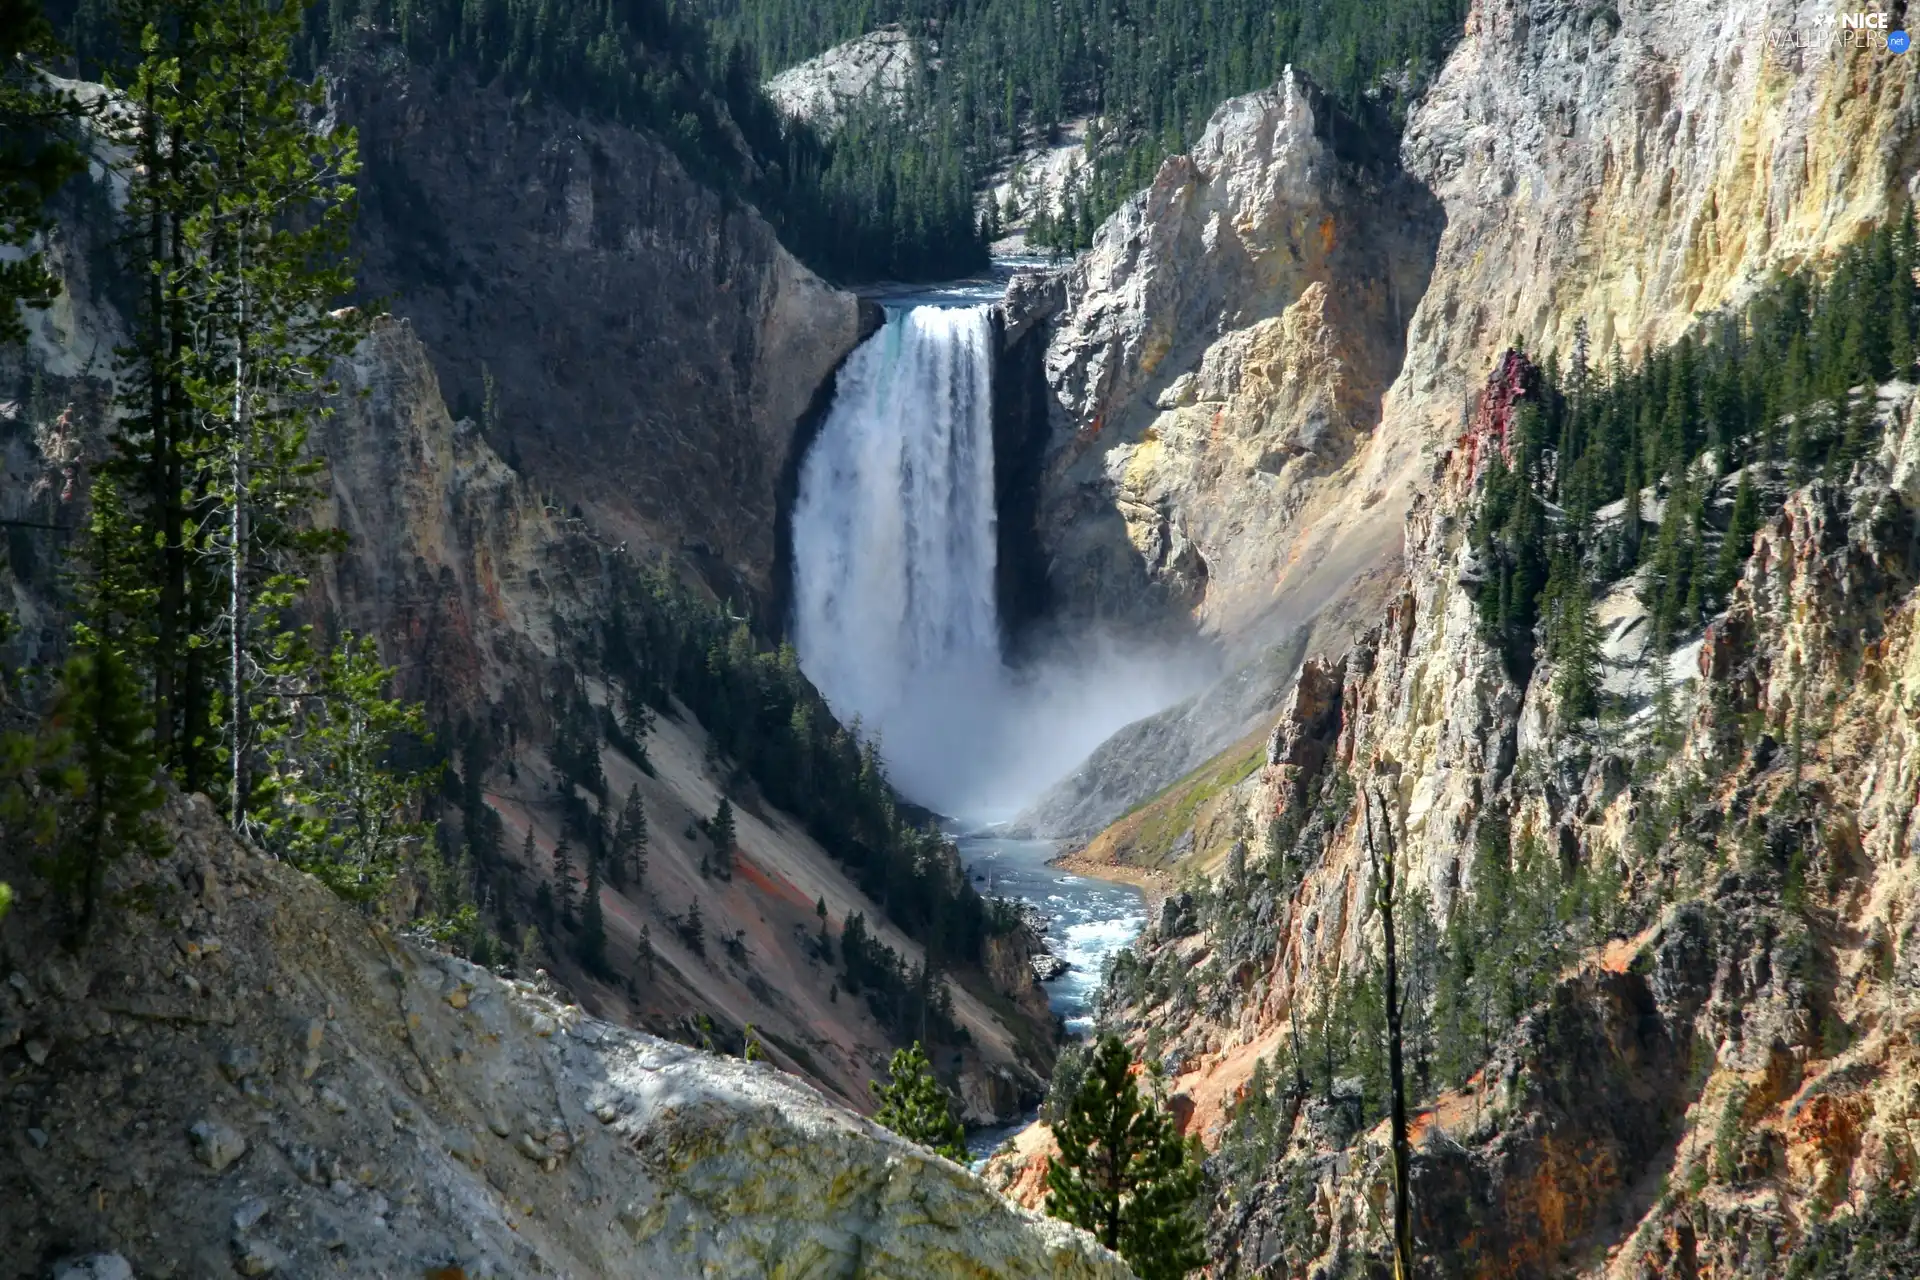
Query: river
{"points": [[1087, 921]]}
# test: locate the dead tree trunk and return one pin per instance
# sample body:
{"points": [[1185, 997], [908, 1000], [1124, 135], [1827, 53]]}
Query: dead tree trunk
{"points": [[1383, 893]]}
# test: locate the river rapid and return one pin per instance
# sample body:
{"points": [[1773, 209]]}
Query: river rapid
{"points": [[1087, 921]]}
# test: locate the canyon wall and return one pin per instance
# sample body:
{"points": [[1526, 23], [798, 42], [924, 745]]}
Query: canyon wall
{"points": [[489, 598], [1258, 363], [651, 346], [1694, 1095]]}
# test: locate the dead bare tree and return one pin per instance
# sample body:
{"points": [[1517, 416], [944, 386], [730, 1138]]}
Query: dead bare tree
{"points": [[1384, 869]]}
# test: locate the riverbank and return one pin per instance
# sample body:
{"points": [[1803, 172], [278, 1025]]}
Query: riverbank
{"points": [[1154, 886]]}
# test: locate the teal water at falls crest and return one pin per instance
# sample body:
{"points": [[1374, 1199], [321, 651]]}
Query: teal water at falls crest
{"points": [[894, 551]]}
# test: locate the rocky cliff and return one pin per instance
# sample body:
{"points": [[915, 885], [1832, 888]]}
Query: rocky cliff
{"points": [[876, 69], [489, 598], [1224, 346], [242, 1074], [1235, 445], [632, 341], [1694, 1094]]}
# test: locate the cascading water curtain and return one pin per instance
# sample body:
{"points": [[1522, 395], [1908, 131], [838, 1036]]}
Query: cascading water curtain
{"points": [[894, 547]]}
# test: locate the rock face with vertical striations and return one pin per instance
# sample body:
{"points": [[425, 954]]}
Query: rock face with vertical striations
{"points": [[1224, 347], [651, 344], [1235, 447]]}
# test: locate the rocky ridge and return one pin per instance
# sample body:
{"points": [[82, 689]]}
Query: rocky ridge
{"points": [[626, 337], [1761, 1054], [1629, 167], [243, 1074], [878, 68]]}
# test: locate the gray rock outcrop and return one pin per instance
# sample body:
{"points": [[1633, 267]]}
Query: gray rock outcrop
{"points": [[875, 69], [404, 1113]]}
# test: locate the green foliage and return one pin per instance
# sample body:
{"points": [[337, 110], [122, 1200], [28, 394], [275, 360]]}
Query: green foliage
{"points": [[1780, 389], [591, 945], [1260, 1122], [766, 721], [340, 798], [563, 880], [1573, 640], [1124, 1174], [93, 778], [1881, 1240], [1011, 71], [721, 829], [235, 223], [917, 1107], [905, 999], [692, 929], [877, 200], [1069, 1068], [630, 839], [37, 156], [80, 791], [1503, 943]]}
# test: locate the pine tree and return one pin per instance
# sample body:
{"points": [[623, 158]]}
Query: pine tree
{"points": [[1741, 526], [721, 829], [1631, 534], [915, 1105], [1123, 1172], [591, 945], [95, 777], [36, 159], [81, 790], [693, 930], [243, 212], [630, 838], [1577, 673], [333, 800], [563, 880]]}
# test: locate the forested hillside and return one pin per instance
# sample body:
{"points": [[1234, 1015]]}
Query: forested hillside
{"points": [[212, 620], [1152, 70], [891, 194], [869, 204]]}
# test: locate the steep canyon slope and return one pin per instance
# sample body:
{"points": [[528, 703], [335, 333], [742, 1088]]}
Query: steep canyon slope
{"points": [[490, 588], [246, 1075], [1256, 365], [1728, 1064], [628, 338]]}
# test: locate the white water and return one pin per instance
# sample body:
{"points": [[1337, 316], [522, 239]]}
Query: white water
{"points": [[895, 616]]}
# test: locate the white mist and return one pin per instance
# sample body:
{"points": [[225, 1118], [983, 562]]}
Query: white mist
{"points": [[895, 617]]}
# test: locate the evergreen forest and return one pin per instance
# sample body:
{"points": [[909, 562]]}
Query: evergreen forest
{"points": [[1151, 71], [892, 193], [878, 201]]}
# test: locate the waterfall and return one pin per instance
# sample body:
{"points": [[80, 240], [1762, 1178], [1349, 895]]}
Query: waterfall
{"points": [[894, 611], [894, 548]]}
